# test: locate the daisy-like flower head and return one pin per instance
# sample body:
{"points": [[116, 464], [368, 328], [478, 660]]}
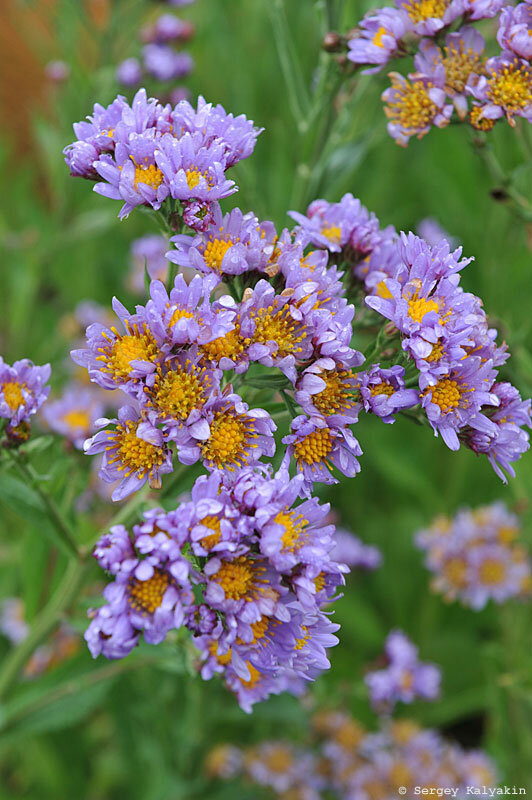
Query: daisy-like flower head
{"points": [[120, 360], [316, 445], [134, 452], [191, 170], [144, 598], [346, 227], [493, 574], [179, 389], [237, 136], [74, 414], [228, 351], [245, 587], [452, 402], [291, 536], [22, 390], [185, 315], [505, 89], [427, 17], [94, 137], [114, 549], [228, 436], [462, 56], [515, 30], [327, 389], [406, 677], [144, 115], [132, 174], [276, 328], [413, 106], [230, 245], [379, 39], [383, 392]]}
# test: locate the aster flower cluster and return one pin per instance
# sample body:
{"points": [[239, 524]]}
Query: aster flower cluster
{"points": [[23, 390], [405, 678], [146, 153], [243, 566], [344, 760], [161, 57], [452, 72], [446, 345], [476, 556]]}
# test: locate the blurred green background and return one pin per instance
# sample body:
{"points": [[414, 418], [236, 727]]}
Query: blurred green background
{"points": [[142, 729]]}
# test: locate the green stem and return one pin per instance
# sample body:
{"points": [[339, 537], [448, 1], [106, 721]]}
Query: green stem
{"points": [[62, 527], [290, 405], [60, 601], [520, 205], [297, 91]]}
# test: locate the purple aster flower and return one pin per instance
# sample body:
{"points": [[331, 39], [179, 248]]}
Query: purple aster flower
{"points": [[145, 116], [147, 254], [120, 360], [275, 326], [229, 435], [508, 441], [484, 9], [132, 175], [349, 549], [167, 28], [413, 106], [505, 89], [379, 39], [145, 597], [94, 137], [229, 350], [278, 765], [230, 244], [326, 389], [193, 171], [495, 574], [426, 19], [317, 444], [236, 135], [113, 550], [462, 56], [74, 414], [198, 214], [405, 678], [129, 72], [345, 226], [383, 391], [134, 452], [185, 315], [164, 63], [22, 390], [515, 30], [289, 537]]}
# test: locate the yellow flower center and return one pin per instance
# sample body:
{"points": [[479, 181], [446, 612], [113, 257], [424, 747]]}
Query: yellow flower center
{"points": [[133, 454], [278, 759], [338, 395], [148, 174], [332, 232], [180, 391], [455, 570], [231, 435], [147, 596], [222, 658], [254, 676], [215, 250], [478, 122], [446, 394], [195, 175], [315, 447], [436, 353], [511, 88], [229, 346], [383, 291], [319, 582], [419, 306], [279, 327], [426, 9], [459, 64], [377, 39], [13, 394], [180, 313], [412, 109], [294, 527], [213, 523], [382, 388], [78, 419], [507, 534], [239, 578], [492, 572], [136, 345]]}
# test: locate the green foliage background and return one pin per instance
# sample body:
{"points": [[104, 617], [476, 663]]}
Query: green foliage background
{"points": [[141, 728]]}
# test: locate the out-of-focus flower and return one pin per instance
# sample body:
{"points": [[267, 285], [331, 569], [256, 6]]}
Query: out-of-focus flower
{"points": [[129, 72], [166, 64], [74, 414], [22, 390], [57, 71], [147, 254]]}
